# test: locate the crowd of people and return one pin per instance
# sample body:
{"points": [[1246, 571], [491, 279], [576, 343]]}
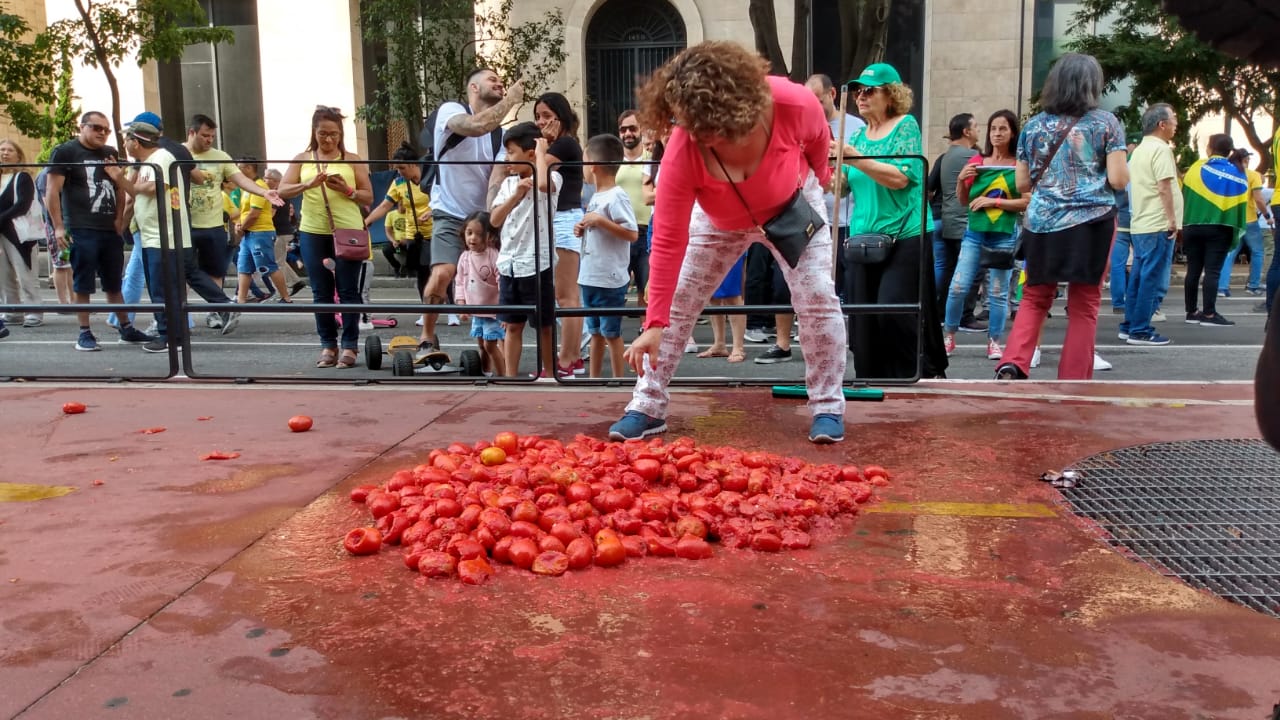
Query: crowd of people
{"points": [[533, 216]]}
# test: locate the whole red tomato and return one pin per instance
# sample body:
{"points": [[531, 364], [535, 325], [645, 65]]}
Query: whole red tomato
{"points": [[300, 423], [692, 548], [363, 541], [522, 553], [508, 441], [361, 493], [382, 503], [581, 553], [648, 469], [73, 408]]}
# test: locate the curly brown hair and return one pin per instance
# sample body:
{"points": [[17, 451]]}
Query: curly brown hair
{"points": [[711, 88]]}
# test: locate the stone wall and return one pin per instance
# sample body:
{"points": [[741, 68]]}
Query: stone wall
{"points": [[974, 63]]}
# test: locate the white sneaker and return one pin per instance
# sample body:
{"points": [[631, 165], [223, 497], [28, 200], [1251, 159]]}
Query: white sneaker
{"points": [[690, 346], [1035, 358], [213, 320], [454, 320], [366, 325], [756, 335], [151, 329], [1158, 316], [419, 322], [1099, 364]]}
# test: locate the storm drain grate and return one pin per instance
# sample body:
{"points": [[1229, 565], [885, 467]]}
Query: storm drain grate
{"points": [[1206, 511]]}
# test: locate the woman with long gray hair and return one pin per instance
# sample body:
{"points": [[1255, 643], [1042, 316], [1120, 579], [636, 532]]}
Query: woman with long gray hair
{"points": [[1071, 160]]}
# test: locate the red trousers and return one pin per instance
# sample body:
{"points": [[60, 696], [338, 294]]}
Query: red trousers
{"points": [[1082, 327]]}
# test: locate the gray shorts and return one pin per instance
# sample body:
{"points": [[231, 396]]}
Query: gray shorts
{"points": [[446, 239]]}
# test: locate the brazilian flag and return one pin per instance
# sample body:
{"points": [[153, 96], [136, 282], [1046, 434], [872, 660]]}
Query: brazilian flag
{"points": [[1215, 192], [993, 182]]}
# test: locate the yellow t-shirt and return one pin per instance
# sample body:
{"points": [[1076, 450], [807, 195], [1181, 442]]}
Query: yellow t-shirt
{"points": [[394, 226], [218, 166], [229, 208], [346, 214], [400, 193], [249, 201], [631, 177], [1255, 184], [1151, 162]]}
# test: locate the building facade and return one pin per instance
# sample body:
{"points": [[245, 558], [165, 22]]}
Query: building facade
{"points": [[974, 56]]}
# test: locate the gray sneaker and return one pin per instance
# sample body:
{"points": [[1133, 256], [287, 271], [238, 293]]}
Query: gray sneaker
{"points": [[159, 345], [756, 335], [229, 322]]}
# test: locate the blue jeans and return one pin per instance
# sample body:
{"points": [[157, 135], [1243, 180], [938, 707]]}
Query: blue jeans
{"points": [[1151, 266], [1252, 238], [1119, 273], [151, 268], [967, 271], [344, 279], [1163, 288], [134, 280], [939, 255]]}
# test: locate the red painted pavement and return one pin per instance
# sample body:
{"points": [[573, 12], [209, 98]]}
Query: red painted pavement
{"points": [[189, 589]]}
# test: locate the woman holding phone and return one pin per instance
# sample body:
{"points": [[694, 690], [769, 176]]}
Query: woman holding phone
{"points": [[333, 183], [989, 186]]}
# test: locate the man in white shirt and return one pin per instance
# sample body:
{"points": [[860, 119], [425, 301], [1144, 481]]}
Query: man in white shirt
{"points": [[462, 133]]}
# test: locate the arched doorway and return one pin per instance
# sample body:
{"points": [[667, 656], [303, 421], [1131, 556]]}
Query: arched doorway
{"points": [[626, 41]]}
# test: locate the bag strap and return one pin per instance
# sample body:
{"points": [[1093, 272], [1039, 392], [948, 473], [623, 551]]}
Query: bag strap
{"points": [[413, 208], [734, 185], [1043, 167], [333, 229]]}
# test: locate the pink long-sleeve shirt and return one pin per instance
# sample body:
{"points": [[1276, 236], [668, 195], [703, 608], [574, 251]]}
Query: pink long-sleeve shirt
{"points": [[800, 142]]}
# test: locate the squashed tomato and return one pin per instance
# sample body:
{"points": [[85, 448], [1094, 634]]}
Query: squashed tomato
{"points": [[580, 553], [552, 563], [363, 541]]}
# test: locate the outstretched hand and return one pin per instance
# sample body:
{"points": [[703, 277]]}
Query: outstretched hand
{"points": [[647, 344]]}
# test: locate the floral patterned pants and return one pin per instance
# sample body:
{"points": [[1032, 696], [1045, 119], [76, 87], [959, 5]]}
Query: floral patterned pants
{"points": [[710, 255]]}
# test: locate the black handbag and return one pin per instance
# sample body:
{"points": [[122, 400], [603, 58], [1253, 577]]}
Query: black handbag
{"points": [[993, 259], [791, 229], [868, 248], [871, 248]]}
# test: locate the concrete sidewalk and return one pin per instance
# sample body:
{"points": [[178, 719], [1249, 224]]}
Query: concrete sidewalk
{"points": [[181, 588]]}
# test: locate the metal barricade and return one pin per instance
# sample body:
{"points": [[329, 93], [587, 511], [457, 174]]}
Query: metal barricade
{"points": [[850, 311], [31, 359]]}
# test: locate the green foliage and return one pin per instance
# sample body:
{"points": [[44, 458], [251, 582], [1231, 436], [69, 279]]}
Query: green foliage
{"points": [[64, 115], [112, 31], [1168, 64], [108, 32], [432, 47], [26, 84]]}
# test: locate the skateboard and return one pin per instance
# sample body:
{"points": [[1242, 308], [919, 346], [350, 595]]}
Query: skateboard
{"points": [[407, 358]]}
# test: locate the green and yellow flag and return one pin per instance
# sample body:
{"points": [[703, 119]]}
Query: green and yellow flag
{"points": [[994, 182], [1215, 192]]}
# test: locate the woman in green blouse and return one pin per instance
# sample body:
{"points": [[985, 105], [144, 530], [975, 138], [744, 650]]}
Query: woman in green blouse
{"points": [[888, 199]]}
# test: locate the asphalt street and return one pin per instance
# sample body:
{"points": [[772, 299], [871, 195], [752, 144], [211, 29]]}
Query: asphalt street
{"points": [[284, 346]]}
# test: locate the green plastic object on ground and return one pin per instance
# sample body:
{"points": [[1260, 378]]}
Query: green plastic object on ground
{"points": [[800, 391]]}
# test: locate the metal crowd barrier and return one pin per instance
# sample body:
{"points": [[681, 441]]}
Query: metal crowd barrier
{"points": [[182, 356]]}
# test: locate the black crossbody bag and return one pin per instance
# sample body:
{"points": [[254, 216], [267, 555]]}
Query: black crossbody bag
{"points": [[791, 229]]}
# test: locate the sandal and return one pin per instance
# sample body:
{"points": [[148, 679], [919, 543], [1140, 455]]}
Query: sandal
{"points": [[348, 360], [328, 358], [737, 356], [713, 352]]}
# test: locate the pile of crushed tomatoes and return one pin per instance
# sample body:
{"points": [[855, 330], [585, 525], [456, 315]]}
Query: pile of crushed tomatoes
{"points": [[546, 506]]}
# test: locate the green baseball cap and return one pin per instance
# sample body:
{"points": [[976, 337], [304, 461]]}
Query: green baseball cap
{"points": [[878, 74]]}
